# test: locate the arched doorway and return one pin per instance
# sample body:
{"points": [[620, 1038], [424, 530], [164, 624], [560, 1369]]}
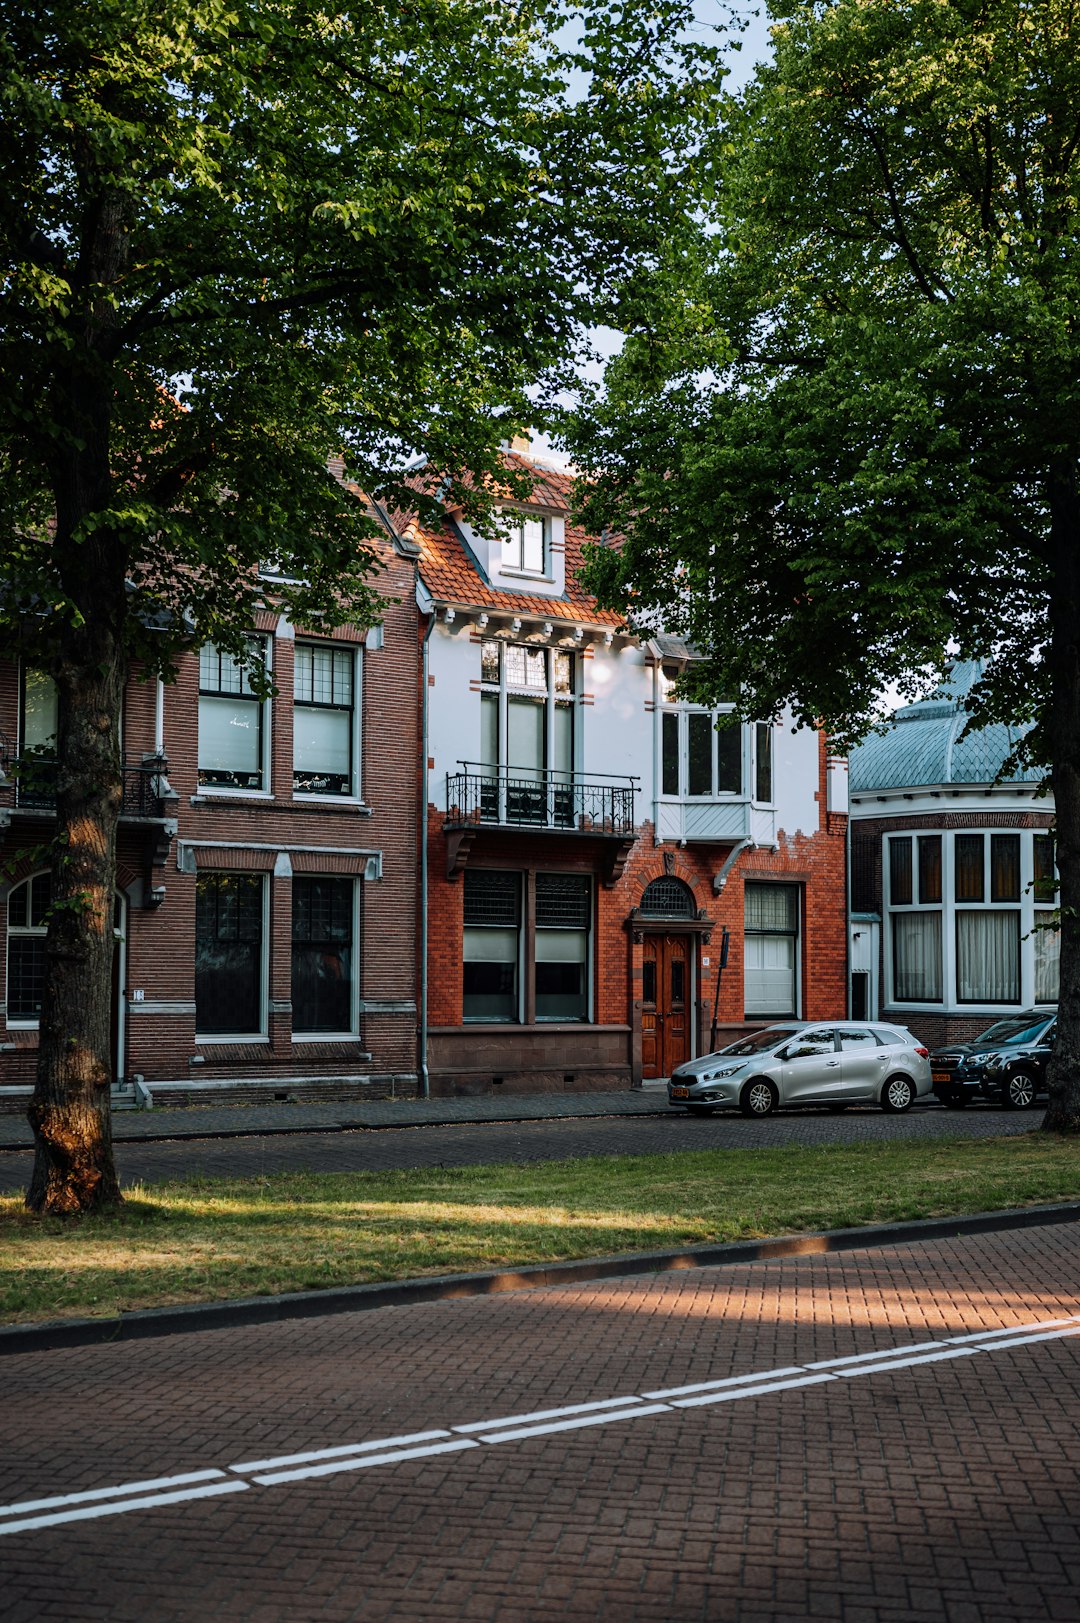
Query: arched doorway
{"points": [[667, 974]]}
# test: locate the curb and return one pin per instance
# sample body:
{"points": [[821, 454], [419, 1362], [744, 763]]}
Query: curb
{"points": [[10, 1147], [145, 1323]]}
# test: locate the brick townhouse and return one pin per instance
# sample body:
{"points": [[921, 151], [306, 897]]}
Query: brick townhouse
{"points": [[952, 872], [592, 841], [266, 888]]}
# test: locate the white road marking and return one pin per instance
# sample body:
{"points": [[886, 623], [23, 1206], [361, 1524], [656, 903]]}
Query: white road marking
{"points": [[866, 1357], [729, 1380], [60, 1499], [248, 1466], [909, 1363], [551, 1414], [576, 1424], [113, 1501], [1026, 1341], [117, 1507], [732, 1395], [1015, 1329], [362, 1462]]}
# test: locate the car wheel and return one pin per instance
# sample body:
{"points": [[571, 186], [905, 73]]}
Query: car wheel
{"points": [[1019, 1092], [897, 1095], [699, 1110], [759, 1098]]}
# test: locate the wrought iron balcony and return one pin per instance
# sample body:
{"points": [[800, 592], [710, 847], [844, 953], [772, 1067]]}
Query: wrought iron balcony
{"points": [[145, 790], [518, 797]]}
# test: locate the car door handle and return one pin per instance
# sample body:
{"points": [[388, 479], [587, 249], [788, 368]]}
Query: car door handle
{"points": [[829, 1063]]}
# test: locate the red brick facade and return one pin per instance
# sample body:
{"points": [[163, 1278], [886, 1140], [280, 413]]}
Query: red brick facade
{"points": [[279, 834], [607, 1051]]}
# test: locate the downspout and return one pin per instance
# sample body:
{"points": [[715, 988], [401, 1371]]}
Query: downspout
{"points": [[425, 1079], [159, 717]]}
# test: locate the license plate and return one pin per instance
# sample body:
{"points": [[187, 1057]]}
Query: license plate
{"points": [[941, 1076], [680, 1093]]}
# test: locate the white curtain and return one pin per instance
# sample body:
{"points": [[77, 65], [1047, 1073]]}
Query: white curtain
{"points": [[1047, 962], [988, 956], [917, 957]]}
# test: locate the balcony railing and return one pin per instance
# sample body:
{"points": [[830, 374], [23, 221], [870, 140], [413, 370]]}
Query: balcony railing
{"points": [[517, 797], [35, 784]]}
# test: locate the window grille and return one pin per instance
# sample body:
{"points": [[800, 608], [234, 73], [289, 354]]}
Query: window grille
{"points": [[562, 901], [771, 908], [668, 898], [492, 898]]}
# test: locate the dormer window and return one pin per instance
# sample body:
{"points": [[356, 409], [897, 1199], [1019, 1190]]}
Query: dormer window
{"points": [[524, 543]]}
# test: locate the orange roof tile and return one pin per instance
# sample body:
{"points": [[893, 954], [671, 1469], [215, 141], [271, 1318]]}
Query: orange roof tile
{"points": [[451, 576]]}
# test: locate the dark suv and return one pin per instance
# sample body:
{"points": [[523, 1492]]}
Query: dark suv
{"points": [[1005, 1064]]}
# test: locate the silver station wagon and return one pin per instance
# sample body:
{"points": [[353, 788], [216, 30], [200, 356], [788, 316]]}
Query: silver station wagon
{"points": [[833, 1064]]}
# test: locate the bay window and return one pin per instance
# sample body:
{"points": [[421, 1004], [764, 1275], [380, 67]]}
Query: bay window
{"points": [[701, 751], [966, 915]]}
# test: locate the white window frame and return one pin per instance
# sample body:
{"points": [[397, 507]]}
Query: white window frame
{"points": [[800, 925], [512, 521], [265, 792], [504, 690], [22, 932], [589, 1017], [682, 710], [302, 1036], [1028, 910], [263, 1033], [355, 794]]}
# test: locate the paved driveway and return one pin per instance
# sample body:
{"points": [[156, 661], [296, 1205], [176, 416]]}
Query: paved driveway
{"points": [[470, 1144], [404, 1464]]}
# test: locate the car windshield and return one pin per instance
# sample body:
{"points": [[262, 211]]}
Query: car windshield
{"points": [[1019, 1028], [758, 1041]]}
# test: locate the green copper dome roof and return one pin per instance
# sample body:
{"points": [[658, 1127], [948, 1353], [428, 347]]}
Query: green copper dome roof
{"points": [[923, 746]]}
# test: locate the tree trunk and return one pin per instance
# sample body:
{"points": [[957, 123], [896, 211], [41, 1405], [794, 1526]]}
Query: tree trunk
{"points": [[1063, 1072], [70, 1110]]}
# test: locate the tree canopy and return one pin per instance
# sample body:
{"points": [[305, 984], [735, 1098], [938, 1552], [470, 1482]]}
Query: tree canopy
{"points": [[843, 435], [239, 237]]}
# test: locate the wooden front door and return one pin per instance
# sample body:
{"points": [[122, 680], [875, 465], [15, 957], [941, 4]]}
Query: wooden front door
{"points": [[665, 1003]]}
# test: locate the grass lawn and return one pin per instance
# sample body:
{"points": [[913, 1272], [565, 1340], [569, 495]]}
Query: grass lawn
{"points": [[206, 1239]]}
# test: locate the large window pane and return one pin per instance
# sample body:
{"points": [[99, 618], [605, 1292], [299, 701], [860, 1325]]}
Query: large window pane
{"points": [[1047, 962], [322, 750], [39, 711], [929, 868], [322, 954], [561, 961], [1045, 878], [763, 774], [729, 763], [669, 749], [1004, 867], [699, 766], [771, 914], [491, 945], [900, 871], [988, 957], [916, 957], [228, 954], [969, 868], [230, 722]]}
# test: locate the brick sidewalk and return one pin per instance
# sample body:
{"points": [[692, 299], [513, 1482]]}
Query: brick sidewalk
{"points": [[906, 1495]]}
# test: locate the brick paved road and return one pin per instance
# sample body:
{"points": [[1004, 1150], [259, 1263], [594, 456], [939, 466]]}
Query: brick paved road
{"points": [[467, 1145], [944, 1490]]}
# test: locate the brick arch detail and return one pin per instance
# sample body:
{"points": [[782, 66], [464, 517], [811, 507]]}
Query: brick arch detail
{"points": [[652, 871]]}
